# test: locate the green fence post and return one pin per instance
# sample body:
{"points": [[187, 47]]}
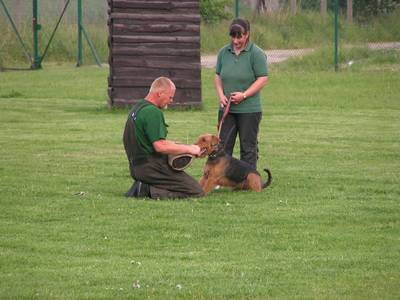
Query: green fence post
{"points": [[82, 33], [54, 30], [24, 48], [36, 27], [236, 8], [336, 55], [79, 59], [96, 57]]}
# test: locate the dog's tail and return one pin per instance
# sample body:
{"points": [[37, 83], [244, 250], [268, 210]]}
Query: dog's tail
{"points": [[269, 180]]}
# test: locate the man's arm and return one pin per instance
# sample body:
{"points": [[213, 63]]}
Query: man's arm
{"points": [[168, 147]]}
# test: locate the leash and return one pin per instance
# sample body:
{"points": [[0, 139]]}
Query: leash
{"points": [[225, 113]]}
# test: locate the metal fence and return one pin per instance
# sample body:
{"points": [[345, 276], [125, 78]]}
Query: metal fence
{"points": [[53, 30], [284, 28], [334, 28]]}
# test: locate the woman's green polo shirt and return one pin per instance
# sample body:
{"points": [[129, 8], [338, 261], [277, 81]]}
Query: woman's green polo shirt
{"points": [[238, 72]]}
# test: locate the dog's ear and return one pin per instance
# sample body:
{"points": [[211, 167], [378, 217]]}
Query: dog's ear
{"points": [[200, 140], [215, 140], [203, 141]]}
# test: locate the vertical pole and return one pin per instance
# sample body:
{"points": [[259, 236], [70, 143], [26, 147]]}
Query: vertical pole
{"points": [[79, 59], [96, 57], [14, 27], [336, 60], [323, 7], [236, 8], [350, 11], [293, 7], [36, 27]]}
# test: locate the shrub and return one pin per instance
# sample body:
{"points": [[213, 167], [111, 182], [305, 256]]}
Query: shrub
{"points": [[214, 10]]}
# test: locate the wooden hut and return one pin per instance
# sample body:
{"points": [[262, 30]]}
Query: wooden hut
{"points": [[152, 38]]}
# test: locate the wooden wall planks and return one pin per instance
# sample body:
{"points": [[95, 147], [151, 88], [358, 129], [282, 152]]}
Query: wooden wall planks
{"points": [[152, 38]]}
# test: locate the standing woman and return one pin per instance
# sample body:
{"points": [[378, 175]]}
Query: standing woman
{"points": [[241, 73]]}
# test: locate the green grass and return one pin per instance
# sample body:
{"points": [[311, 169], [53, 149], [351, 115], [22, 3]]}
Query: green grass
{"points": [[328, 227]]}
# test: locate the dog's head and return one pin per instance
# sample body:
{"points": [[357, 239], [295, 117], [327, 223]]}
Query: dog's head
{"points": [[208, 143]]}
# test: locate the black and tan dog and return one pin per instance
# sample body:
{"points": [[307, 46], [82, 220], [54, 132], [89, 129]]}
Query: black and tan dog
{"points": [[224, 170]]}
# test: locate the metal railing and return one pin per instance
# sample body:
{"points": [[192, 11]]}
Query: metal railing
{"points": [[56, 22], [35, 58]]}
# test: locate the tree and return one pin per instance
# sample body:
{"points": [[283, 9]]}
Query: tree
{"points": [[293, 7], [323, 7], [213, 11], [259, 7], [17, 12], [264, 6], [349, 10]]}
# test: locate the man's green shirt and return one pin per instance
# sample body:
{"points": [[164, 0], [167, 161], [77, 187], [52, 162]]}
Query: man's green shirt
{"points": [[239, 72], [150, 126]]}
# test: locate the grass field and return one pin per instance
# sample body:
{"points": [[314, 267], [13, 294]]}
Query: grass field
{"points": [[327, 228]]}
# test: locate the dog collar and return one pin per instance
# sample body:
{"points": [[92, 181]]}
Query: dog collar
{"points": [[216, 153]]}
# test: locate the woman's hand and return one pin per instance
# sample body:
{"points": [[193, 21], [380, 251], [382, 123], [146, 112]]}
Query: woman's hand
{"points": [[237, 97], [223, 101]]}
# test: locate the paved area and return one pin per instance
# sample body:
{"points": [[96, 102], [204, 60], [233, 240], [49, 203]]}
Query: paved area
{"points": [[276, 56], [384, 46]]}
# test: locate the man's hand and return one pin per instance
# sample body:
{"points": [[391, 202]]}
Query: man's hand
{"points": [[194, 150], [169, 147]]}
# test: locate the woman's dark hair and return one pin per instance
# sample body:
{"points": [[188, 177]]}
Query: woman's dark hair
{"points": [[239, 27]]}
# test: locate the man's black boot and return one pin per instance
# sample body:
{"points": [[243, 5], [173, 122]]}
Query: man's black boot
{"points": [[139, 190]]}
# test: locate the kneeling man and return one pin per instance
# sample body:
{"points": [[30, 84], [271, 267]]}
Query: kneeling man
{"points": [[147, 148]]}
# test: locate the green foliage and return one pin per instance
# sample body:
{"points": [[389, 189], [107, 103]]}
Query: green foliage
{"points": [[64, 45], [327, 228], [363, 9], [213, 11], [308, 5], [304, 30], [350, 59], [274, 32], [277, 31], [62, 49]]}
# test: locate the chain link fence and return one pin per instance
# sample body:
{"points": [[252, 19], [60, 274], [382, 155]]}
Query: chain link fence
{"points": [[306, 29], [64, 45], [284, 28]]}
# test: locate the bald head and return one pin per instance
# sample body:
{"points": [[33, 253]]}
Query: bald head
{"points": [[161, 92], [161, 84]]}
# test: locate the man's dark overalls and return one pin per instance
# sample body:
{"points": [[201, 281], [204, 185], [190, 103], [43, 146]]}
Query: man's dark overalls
{"points": [[152, 174], [136, 155]]}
